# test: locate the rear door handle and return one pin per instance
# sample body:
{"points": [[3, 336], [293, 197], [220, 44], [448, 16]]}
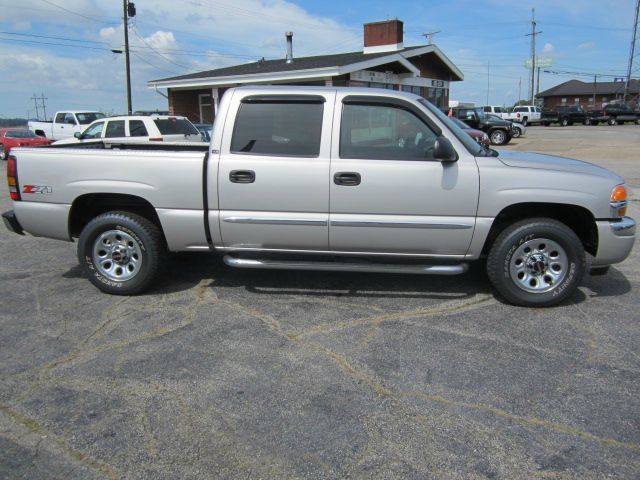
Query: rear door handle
{"points": [[347, 179], [242, 176]]}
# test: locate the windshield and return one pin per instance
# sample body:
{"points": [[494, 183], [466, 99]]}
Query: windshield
{"points": [[87, 118], [466, 140], [20, 134]]}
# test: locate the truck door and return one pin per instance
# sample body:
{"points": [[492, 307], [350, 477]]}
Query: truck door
{"points": [[66, 127], [273, 177], [387, 193]]}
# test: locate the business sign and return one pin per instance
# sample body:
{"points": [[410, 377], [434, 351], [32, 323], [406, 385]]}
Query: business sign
{"points": [[541, 62], [376, 77]]}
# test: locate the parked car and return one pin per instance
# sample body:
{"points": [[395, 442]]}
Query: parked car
{"points": [[500, 131], [136, 129], [613, 114], [478, 135], [205, 130], [564, 115], [65, 124], [308, 178], [517, 129], [525, 114], [500, 112], [18, 137]]}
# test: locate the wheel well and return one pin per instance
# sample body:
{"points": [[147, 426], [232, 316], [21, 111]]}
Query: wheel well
{"points": [[40, 133], [578, 219], [87, 207]]}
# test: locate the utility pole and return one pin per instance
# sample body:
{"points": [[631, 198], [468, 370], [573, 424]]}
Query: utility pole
{"points": [[125, 8], [35, 102], [44, 107], [595, 85], [538, 83], [519, 90], [632, 51], [429, 36], [533, 54], [488, 80]]}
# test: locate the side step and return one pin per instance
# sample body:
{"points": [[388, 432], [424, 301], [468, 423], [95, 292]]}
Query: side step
{"points": [[422, 269]]}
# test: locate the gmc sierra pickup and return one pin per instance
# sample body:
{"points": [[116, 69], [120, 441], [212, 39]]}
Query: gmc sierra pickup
{"points": [[327, 179]]}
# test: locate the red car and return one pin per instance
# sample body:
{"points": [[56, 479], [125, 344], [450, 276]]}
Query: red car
{"points": [[19, 137]]}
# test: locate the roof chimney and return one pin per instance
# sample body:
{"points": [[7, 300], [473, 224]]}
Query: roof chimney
{"points": [[289, 36], [383, 36]]}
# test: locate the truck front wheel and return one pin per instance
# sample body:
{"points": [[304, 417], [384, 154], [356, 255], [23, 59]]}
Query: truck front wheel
{"points": [[498, 137], [121, 252], [537, 262]]}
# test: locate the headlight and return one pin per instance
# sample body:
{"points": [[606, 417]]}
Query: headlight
{"points": [[618, 201]]}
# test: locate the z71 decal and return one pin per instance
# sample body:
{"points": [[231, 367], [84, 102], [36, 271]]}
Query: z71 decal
{"points": [[37, 189]]}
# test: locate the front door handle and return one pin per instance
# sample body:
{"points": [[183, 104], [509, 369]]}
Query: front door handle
{"points": [[242, 176], [347, 179]]}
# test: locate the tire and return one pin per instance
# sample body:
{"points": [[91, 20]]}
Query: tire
{"points": [[564, 122], [525, 121], [498, 137], [612, 121], [536, 262], [545, 124], [3, 153], [121, 252], [516, 133]]}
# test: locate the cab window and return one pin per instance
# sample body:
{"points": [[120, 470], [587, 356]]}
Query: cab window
{"points": [[115, 128], [94, 131], [381, 132], [69, 119]]}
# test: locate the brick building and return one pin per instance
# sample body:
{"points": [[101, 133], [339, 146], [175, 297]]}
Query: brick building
{"points": [[576, 92], [384, 63]]}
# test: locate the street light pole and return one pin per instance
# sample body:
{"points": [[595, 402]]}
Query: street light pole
{"points": [[126, 55]]}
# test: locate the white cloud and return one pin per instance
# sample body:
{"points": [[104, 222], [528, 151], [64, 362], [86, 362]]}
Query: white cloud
{"points": [[587, 46], [548, 48]]}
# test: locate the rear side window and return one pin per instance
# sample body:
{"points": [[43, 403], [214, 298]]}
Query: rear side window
{"points": [[519, 109], [115, 128], [281, 129], [487, 109], [176, 126], [137, 129]]}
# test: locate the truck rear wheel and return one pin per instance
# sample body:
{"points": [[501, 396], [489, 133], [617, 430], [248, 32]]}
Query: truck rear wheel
{"points": [[120, 252], [537, 262], [564, 122], [3, 152], [612, 121]]}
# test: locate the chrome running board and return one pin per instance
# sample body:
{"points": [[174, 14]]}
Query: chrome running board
{"points": [[422, 269]]}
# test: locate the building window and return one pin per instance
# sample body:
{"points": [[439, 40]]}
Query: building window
{"points": [[206, 108], [604, 99], [590, 100], [564, 101], [576, 100], [411, 89]]}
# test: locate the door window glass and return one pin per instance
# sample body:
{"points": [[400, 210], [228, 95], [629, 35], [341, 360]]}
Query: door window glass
{"points": [[60, 117], [94, 131], [137, 129], [68, 118], [384, 133], [282, 129], [115, 128]]}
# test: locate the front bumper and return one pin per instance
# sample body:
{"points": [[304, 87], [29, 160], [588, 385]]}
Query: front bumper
{"points": [[11, 222], [615, 240]]}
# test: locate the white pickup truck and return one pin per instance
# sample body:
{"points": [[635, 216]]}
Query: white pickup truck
{"points": [[525, 114], [311, 178], [65, 124]]}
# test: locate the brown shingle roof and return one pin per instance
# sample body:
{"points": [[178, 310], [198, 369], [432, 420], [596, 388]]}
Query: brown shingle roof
{"points": [[577, 87]]}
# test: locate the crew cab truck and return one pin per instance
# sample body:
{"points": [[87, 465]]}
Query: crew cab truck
{"points": [[565, 115], [525, 114], [613, 114], [65, 124], [334, 179]]}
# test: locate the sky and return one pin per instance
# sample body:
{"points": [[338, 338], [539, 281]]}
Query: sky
{"points": [[62, 48]]}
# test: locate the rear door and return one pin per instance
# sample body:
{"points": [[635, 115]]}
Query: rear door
{"points": [[273, 182], [388, 194]]}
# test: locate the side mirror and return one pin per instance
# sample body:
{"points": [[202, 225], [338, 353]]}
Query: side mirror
{"points": [[443, 150], [78, 135]]}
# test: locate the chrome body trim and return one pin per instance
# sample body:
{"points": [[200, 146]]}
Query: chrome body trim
{"points": [[399, 224], [626, 227], [275, 221], [345, 267], [340, 253]]}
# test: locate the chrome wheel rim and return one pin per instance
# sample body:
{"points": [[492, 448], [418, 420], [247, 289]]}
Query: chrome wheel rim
{"points": [[539, 265], [117, 255], [498, 137]]}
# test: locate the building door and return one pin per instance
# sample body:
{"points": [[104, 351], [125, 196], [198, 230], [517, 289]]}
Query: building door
{"points": [[387, 193], [205, 105]]}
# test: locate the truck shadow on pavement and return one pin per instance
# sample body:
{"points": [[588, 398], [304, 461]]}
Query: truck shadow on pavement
{"points": [[186, 270]]}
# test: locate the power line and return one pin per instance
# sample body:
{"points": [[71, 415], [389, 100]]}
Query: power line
{"points": [[54, 43], [154, 50], [76, 13], [54, 38]]}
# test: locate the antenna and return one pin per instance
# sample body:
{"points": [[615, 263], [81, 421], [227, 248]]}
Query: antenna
{"points": [[429, 36]]}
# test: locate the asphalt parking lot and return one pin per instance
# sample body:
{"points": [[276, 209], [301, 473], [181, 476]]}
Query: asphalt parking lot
{"points": [[219, 373]]}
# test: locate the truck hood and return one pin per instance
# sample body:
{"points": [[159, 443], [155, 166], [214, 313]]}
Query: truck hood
{"points": [[550, 162]]}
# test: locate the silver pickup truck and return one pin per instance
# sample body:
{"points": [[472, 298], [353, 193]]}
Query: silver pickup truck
{"points": [[327, 179]]}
